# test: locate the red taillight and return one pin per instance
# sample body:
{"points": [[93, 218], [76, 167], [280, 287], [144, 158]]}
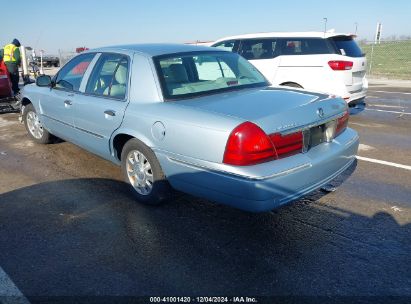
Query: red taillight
{"points": [[342, 123], [5, 84], [287, 145], [340, 65], [248, 145], [3, 68]]}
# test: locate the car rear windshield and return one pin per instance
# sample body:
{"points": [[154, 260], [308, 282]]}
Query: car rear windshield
{"points": [[349, 46], [201, 73]]}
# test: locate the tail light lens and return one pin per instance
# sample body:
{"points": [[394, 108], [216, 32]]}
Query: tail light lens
{"points": [[287, 145], [342, 123], [249, 145], [3, 70], [340, 65]]}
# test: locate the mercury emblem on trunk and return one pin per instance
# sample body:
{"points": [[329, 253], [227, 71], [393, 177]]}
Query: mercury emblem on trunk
{"points": [[320, 112]]}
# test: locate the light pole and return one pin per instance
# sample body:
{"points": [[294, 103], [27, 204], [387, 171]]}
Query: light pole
{"points": [[41, 62], [356, 27], [325, 24]]}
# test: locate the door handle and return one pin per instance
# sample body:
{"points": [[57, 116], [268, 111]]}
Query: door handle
{"points": [[110, 112], [68, 102]]}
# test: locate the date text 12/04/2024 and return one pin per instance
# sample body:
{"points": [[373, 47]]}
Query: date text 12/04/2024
{"points": [[203, 300]]}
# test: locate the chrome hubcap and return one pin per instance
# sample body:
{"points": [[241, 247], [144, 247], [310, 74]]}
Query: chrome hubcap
{"points": [[34, 125], [139, 172]]}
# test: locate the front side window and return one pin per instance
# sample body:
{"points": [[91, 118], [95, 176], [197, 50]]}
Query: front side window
{"points": [[202, 73], [254, 49], [109, 76], [70, 76], [227, 45]]}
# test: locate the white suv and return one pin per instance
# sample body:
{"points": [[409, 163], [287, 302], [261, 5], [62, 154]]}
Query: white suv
{"points": [[324, 62]]}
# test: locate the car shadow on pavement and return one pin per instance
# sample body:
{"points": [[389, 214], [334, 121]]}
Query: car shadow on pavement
{"points": [[357, 108], [84, 237]]}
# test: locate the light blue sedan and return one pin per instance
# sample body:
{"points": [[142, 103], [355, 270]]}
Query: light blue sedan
{"points": [[200, 120]]}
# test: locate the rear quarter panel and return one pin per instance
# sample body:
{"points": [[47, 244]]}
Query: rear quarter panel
{"points": [[312, 73], [187, 133]]}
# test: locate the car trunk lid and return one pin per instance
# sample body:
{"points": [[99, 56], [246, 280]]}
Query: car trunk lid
{"points": [[272, 109]]}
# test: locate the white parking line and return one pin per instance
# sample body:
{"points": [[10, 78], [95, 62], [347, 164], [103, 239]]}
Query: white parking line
{"points": [[405, 93], [9, 293], [383, 162], [364, 147], [368, 125], [386, 106], [386, 111]]}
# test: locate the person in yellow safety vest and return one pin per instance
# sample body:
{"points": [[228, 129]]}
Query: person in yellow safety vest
{"points": [[11, 57]]}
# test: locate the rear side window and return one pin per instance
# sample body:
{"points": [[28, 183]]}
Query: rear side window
{"points": [[109, 76], [254, 49], [347, 46], [305, 46]]}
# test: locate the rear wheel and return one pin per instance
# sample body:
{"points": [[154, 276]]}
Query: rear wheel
{"points": [[142, 171], [34, 126]]}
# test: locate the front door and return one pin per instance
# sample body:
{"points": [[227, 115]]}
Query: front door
{"points": [[56, 102]]}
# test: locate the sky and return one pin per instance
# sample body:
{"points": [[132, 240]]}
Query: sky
{"points": [[53, 25]]}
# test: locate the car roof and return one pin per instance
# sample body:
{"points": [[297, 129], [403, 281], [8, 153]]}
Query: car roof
{"points": [[154, 49], [287, 34]]}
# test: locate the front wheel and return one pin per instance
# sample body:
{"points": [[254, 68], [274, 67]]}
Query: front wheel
{"points": [[142, 171], [34, 126]]}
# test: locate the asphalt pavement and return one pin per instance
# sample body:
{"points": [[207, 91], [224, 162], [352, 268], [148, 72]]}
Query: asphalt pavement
{"points": [[69, 227]]}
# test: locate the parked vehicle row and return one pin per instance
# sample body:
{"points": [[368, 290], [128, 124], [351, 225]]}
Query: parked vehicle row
{"points": [[201, 120], [316, 61], [48, 61]]}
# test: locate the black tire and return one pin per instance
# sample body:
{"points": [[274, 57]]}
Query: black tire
{"points": [[292, 85], [160, 189], [45, 137]]}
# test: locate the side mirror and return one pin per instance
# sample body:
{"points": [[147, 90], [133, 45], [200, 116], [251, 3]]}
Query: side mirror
{"points": [[43, 81]]}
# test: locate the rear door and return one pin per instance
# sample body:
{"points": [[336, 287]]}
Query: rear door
{"points": [[263, 54], [99, 111], [346, 46]]}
